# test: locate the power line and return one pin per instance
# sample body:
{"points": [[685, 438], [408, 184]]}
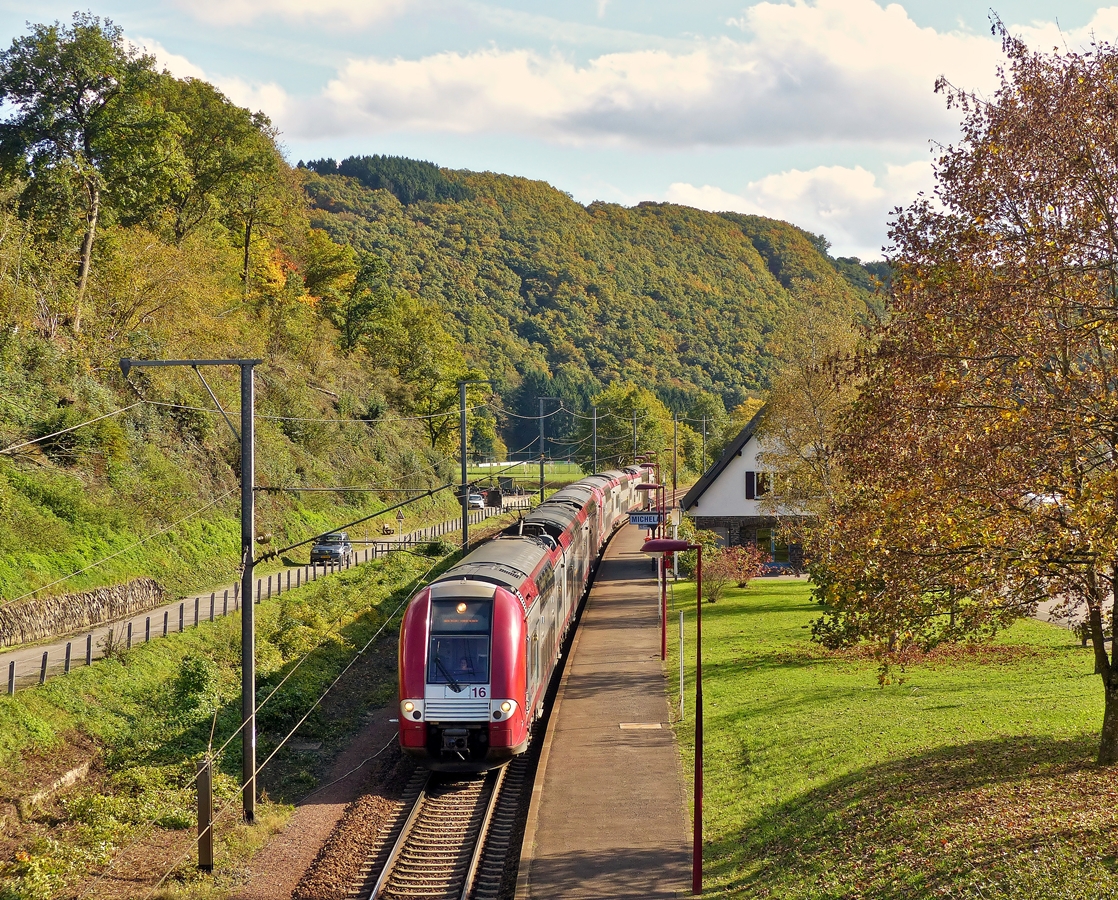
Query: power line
{"points": [[115, 412]]}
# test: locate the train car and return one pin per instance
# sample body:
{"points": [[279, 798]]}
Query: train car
{"points": [[479, 645]]}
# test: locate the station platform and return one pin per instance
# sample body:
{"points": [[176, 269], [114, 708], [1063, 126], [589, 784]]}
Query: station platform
{"points": [[609, 816]]}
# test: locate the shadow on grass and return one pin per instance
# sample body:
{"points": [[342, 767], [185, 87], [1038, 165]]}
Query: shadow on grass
{"points": [[933, 824]]}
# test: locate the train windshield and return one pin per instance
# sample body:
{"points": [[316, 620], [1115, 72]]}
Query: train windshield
{"points": [[459, 652]]}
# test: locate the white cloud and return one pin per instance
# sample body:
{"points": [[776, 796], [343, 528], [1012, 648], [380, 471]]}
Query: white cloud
{"points": [[847, 205], [240, 12], [269, 98], [846, 70], [179, 66]]}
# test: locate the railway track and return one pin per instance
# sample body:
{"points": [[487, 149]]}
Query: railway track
{"points": [[451, 839]]}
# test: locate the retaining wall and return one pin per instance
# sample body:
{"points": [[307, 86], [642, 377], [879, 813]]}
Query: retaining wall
{"points": [[35, 618]]}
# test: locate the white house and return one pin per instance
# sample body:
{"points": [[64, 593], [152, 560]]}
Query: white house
{"points": [[730, 498]]}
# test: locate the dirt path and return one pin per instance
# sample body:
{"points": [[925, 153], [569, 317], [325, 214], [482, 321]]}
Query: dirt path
{"points": [[277, 869]]}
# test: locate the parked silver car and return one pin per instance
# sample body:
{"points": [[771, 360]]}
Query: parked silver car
{"points": [[331, 548]]}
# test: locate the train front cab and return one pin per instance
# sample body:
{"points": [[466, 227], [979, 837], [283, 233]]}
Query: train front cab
{"points": [[462, 677]]}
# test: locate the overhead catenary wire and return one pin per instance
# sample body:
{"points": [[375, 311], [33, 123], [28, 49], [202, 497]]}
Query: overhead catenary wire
{"points": [[45, 437], [318, 702], [354, 421]]}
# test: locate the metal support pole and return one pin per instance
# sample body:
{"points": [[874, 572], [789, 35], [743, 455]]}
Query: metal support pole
{"points": [[248, 610], [205, 815], [634, 437], [541, 450], [462, 449], [703, 466], [697, 837], [663, 608], [595, 439]]}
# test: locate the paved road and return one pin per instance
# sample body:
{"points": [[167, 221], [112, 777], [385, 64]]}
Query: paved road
{"points": [[608, 819]]}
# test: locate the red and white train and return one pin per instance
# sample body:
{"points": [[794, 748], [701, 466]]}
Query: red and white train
{"points": [[478, 646]]}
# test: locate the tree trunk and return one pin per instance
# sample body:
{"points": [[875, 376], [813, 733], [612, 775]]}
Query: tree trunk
{"points": [[1108, 744], [94, 191]]}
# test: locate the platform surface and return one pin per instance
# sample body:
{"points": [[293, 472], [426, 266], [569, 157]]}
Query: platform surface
{"points": [[609, 816]]}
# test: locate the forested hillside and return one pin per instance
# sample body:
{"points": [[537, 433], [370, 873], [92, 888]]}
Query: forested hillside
{"points": [[556, 299], [147, 216]]}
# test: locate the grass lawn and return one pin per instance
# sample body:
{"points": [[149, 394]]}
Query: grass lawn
{"points": [[527, 474], [971, 775]]}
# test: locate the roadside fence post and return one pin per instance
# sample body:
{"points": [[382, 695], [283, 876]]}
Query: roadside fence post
{"points": [[259, 588], [205, 815], [11, 678], [196, 599], [298, 577], [66, 667], [89, 649], [128, 643], [147, 629], [289, 579], [225, 604], [166, 617], [182, 617], [43, 670], [213, 603], [269, 587]]}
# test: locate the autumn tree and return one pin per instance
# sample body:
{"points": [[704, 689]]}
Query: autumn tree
{"points": [[815, 345], [86, 125], [983, 450]]}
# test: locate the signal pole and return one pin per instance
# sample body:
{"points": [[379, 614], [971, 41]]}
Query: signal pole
{"points": [[634, 437], [248, 529]]}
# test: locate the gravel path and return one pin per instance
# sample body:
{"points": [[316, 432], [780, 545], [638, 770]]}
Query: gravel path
{"points": [[278, 868]]}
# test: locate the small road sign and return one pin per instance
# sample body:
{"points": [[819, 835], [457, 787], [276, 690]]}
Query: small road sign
{"points": [[645, 519]]}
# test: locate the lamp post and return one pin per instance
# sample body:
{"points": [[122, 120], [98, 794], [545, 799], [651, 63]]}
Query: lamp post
{"points": [[662, 573], [658, 547]]}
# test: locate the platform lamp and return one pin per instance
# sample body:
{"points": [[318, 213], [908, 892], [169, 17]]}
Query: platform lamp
{"points": [[658, 547], [662, 571]]}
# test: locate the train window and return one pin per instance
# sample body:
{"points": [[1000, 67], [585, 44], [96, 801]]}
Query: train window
{"points": [[458, 660], [544, 582], [459, 651]]}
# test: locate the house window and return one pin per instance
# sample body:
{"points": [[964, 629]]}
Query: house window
{"points": [[757, 484], [769, 539]]}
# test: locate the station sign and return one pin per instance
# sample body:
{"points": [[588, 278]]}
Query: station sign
{"points": [[645, 519]]}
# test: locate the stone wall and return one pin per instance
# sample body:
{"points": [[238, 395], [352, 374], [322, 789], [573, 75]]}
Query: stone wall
{"points": [[34, 619]]}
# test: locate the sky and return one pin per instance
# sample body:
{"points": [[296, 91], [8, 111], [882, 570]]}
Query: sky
{"points": [[819, 112]]}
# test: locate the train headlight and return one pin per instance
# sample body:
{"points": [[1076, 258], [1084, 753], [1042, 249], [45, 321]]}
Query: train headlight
{"points": [[411, 709], [502, 709]]}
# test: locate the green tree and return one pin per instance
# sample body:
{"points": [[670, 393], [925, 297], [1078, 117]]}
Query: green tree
{"points": [[220, 143], [627, 413], [85, 113]]}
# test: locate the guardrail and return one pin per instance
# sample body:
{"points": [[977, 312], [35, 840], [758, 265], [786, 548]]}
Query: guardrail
{"points": [[27, 667]]}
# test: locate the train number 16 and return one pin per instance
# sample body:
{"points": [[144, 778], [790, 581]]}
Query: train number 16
{"points": [[478, 692]]}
